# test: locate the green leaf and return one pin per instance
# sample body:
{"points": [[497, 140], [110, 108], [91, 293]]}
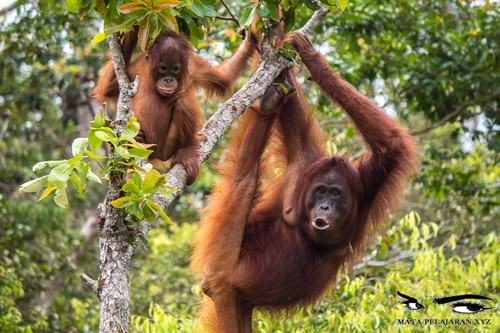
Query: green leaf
{"points": [[150, 182], [44, 164], [99, 37], [99, 120], [195, 30], [263, 11], [248, 15], [168, 20], [60, 174], [132, 7], [94, 141], [46, 193], [93, 177], [166, 3], [73, 6], [123, 202], [289, 19], [34, 185], [343, 4], [61, 199], [105, 135], [148, 212], [139, 153], [197, 8], [95, 157], [165, 217], [144, 242], [144, 33], [77, 182], [123, 152], [137, 179], [167, 194], [75, 159], [130, 187], [124, 21]]}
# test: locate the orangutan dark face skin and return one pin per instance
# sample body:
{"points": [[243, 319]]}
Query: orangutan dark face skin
{"points": [[167, 75], [328, 201]]}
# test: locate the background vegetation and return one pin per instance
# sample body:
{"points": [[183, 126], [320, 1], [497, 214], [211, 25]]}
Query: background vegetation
{"points": [[434, 65]]}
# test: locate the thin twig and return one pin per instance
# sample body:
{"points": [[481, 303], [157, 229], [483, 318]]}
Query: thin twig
{"points": [[227, 19], [455, 113], [234, 18]]}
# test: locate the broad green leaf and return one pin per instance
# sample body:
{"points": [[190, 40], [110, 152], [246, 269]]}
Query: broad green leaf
{"points": [[99, 120], [106, 169], [132, 7], [75, 159], [139, 153], [99, 37], [44, 164], [46, 193], [148, 212], [167, 194], [168, 20], [60, 174], [311, 4], [343, 4], [154, 206], [130, 187], [34, 185], [197, 8], [144, 33], [77, 182], [144, 242], [60, 198], [73, 6], [123, 202], [136, 210], [105, 135], [94, 141], [289, 19], [154, 30], [195, 30], [263, 11], [247, 16], [123, 152], [123, 22], [167, 3], [137, 179], [95, 157], [93, 177], [84, 170], [165, 216], [150, 182]]}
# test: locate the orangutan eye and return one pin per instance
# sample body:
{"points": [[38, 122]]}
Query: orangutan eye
{"points": [[335, 193], [163, 69], [176, 70], [321, 190]]}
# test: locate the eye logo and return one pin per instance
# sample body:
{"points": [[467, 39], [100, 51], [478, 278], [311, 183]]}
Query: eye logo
{"points": [[464, 307], [459, 305], [410, 303]]}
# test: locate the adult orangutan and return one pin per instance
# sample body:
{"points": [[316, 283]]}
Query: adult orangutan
{"points": [[278, 241], [165, 104]]}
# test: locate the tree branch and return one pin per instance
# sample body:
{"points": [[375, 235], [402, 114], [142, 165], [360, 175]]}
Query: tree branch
{"points": [[455, 113], [113, 287], [225, 18], [315, 19]]}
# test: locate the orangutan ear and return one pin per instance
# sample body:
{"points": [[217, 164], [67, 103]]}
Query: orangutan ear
{"points": [[290, 215]]}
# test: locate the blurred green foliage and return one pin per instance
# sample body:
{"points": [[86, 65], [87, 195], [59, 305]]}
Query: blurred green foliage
{"points": [[421, 61]]}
